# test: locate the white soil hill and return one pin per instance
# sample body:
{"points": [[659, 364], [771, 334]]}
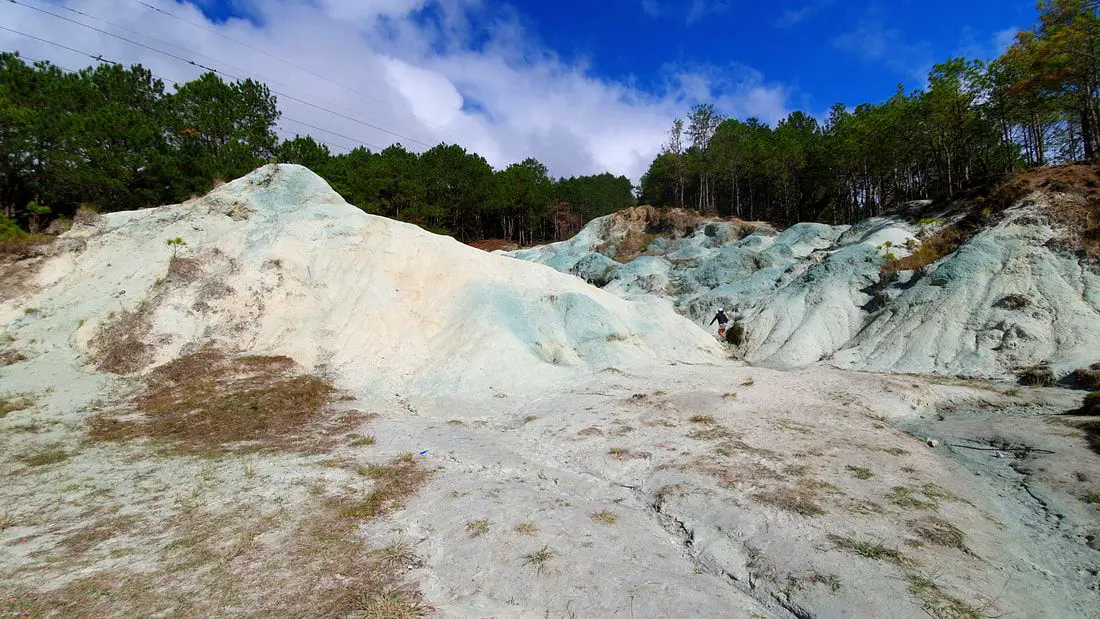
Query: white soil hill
{"points": [[277, 263]]}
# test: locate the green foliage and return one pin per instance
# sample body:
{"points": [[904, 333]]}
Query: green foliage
{"points": [[110, 138], [972, 124]]}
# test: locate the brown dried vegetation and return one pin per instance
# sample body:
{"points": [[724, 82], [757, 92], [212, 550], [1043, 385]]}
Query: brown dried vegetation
{"points": [[208, 401]]}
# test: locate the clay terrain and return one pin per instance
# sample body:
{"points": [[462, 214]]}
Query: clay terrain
{"points": [[265, 402]]}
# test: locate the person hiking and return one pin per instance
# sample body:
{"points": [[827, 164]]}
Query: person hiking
{"points": [[722, 321]]}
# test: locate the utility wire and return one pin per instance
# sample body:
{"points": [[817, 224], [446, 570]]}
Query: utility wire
{"points": [[266, 79], [100, 58], [286, 62], [212, 70]]}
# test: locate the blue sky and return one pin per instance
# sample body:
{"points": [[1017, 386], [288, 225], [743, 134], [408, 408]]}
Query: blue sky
{"points": [[585, 86], [828, 51]]}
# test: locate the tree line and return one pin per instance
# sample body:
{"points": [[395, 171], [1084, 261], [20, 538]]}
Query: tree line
{"points": [[974, 123], [111, 138]]}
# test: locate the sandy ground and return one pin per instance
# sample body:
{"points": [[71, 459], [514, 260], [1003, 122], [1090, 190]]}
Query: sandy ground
{"points": [[723, 489]]}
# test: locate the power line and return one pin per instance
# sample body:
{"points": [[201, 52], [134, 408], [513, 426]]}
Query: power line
{"points": [[212, 70], [100, 58], [287, 62], [265, 78]]}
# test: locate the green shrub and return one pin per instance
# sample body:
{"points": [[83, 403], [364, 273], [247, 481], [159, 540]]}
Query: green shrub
{"points": [[1091, 405]]}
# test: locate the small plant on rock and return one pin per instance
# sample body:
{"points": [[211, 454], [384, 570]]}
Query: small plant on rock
{"points": [[539, 558], [477, 528]]}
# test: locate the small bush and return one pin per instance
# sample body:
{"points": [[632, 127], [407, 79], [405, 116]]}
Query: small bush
{"points": [[1085, 378], [1091, 405], [929, 251], [1037, 376]]}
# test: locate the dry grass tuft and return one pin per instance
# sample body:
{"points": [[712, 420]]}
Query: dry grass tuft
{"points": [[207, 401], [526, 528], [183, 270], [906, 497], [860, 472], [622, 453], [940, 532], [394, 483], [930, 250], [870, 550], [604, 517], [937, 603], [477, 528], [45, 455], [120, 342], [801, 501], [14, 402], [540, 558], [706, 420], [711, 433]]}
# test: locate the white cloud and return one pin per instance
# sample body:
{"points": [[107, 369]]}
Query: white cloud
{"points": [[1004, 39], [702, 8], [872, 41], [696, 10], [793, 17], [418, 68]]}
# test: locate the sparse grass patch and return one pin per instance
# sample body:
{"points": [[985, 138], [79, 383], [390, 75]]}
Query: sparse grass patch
{"points": [[867, 549], [860, 472], [392, 604], [622, 453], [360, 440], [940, 532], [893, 451], [748, 383], [938, 603], [103, 529], [45, 455], [1091, 498], [477, 528], [931, 249], [14, 402], [731, 395], [713, 433], [801, 501], [793, 426], [906, 497], [207, 401], [540, 558], [526, 528], [394, 483], [590, 431], [604, 517], [706, 420], [120, 341]]}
